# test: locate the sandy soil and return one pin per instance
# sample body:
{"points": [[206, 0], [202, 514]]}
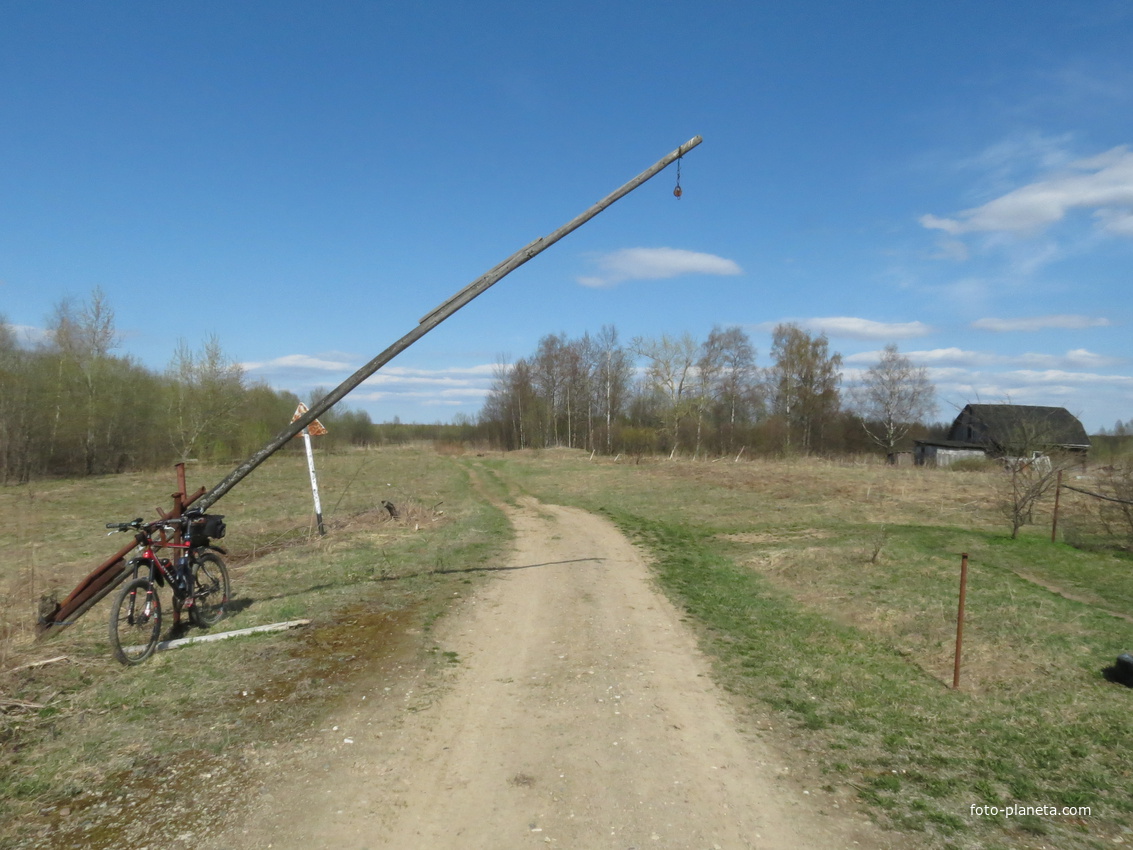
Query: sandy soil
{"points": [[574, 710]]}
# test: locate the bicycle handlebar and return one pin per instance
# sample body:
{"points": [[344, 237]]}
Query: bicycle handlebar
{"points": [[126, 526], [140, 524]]}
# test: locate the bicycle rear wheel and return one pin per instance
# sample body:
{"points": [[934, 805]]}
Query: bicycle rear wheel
{"points": [[135, 622], [209, 590]]}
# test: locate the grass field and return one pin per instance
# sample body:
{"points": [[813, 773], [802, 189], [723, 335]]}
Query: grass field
{"points": [[88, 743], [826, 594]]}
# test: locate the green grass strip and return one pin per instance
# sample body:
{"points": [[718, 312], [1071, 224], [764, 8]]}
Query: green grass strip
{"points": [[920, 753]]}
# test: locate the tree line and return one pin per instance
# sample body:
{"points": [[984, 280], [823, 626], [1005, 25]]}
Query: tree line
{"points": [[72, 406], [675, 394]]}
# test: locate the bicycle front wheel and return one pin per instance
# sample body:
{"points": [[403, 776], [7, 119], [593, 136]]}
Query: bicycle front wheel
{"points": [[209, 590], [135, 622]]}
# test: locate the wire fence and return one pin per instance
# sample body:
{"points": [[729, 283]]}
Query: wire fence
{"points": [[1101, 519], [1098, 495]]}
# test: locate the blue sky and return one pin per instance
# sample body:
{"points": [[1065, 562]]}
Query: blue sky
{"points": [[307, 180]]}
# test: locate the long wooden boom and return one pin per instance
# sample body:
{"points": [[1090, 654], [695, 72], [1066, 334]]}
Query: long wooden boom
{"points": [[111, 573]]}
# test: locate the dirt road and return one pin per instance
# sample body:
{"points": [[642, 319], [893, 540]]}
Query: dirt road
{"points": [[576, 712]]}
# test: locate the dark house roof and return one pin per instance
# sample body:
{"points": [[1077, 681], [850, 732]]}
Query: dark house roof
{"points": [[1019, 428]]}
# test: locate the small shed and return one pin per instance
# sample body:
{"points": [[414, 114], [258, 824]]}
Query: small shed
{"points": [[945, 452], [1006, 430]]}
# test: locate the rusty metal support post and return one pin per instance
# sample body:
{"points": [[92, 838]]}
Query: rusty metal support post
{"points": [[960, 619], [1057, 499], [182, 488]]}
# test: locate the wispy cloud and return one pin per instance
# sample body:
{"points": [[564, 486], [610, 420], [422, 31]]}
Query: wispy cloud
{"points": [[29, 335], [1102, 184], [1078, 358], [1048, 377], [851, 327], [438, 378], [299, 363], [933, 356], [458, 385], [1062, 321], [430, 395], [656, 264], [1074, 389]]}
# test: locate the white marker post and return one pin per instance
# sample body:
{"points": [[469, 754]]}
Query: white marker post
{"points": [[316, 428]]}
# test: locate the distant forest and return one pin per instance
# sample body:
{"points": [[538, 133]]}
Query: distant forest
{"points": [[71, 406], [705, 398]]}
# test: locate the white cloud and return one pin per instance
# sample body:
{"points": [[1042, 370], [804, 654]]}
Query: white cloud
{"points": [[484, 369], [434, 379], [949, 355], [656, 264], [1005, 161], [1078, 358], [458, 385], [474, 379], [298, 362], [935, 355], [29, 335], [1047, 377], [1116, 221], [1102, 183], [854, 328], [1064, 321], [450, 395]]}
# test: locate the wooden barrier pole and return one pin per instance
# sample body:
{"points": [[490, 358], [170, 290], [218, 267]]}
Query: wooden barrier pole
{"points": [[108, 575], [435, 317]]}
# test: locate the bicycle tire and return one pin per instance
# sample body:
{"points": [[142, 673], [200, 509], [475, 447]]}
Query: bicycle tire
{"points": [[135, 622], [210, 590]]}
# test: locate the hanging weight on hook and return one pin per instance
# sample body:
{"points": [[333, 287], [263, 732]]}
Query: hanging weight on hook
{"points": [[677, 190]]}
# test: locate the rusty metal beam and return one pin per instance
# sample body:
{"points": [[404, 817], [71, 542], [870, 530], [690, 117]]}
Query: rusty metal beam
{"points": [[110, 573]]}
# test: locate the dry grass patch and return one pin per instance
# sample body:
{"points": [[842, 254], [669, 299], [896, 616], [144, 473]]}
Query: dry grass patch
{"points": [[95, 743]]}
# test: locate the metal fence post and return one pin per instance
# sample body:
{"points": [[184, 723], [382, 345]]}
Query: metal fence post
{"points": [[960, 619]]}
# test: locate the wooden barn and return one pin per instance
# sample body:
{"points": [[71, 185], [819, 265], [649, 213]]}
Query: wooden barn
{"points": [[1006, 430]]}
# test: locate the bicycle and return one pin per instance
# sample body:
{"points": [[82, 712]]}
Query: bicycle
{"points": [[196, 575]]}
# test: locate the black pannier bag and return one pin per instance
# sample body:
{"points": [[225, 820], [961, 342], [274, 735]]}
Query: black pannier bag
{"points": [[206, 527]]}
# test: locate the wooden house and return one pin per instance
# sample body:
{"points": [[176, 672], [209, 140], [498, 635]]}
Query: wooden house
{"points": [[1003, 431]]}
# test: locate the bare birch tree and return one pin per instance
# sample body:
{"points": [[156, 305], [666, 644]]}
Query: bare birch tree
{"points": [[893, 396], [727, 363], [614, 371], [669, 374]]}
